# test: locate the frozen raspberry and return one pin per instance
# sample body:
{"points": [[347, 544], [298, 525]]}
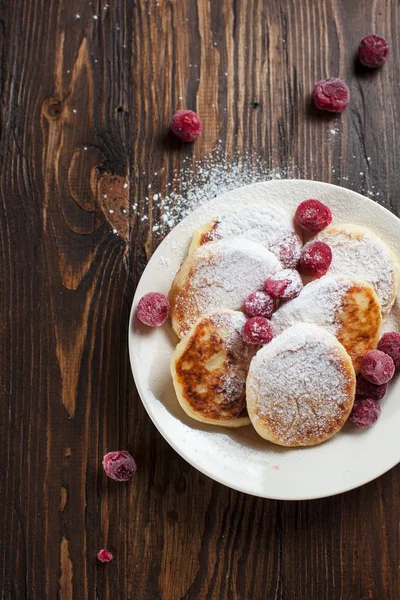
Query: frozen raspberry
{"points": [[186, 125], [366, 389], [119, 465], [365, 412], [259, 304], [390, 344], [377, 367], [257, 331], [105, 556], [288, 250], [312, 215], [373, 51], [331, 94], [153, 309], [285, 284], [315, 259]]}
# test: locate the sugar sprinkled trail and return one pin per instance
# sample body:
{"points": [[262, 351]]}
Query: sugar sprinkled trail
{"points": [[213, 175], [195, 183]]}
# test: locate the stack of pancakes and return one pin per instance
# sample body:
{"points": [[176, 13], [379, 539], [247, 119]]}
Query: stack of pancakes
{"points": [[299, 389]]}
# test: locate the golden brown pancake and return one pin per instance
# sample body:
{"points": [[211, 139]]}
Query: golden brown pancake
{"points": [[218, 275], [358, 252], [209, 369], [300, 388], [348, 308]]}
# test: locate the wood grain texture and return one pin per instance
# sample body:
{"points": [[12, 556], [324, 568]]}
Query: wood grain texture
{"points": [[85, 104]]}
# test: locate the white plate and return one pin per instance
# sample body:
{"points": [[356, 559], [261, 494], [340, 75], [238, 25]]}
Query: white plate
{"points": [[239, 458]]}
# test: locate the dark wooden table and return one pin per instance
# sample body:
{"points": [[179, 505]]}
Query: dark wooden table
{"points": [[87, 90]]}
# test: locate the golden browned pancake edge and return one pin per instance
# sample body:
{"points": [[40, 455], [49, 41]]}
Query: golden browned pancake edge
{"points": [[209, 370]]}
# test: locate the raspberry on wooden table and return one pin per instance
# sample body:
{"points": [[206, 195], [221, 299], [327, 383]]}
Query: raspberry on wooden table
{"points": [[331, 94], [390, 344], [366, 389], [365, 412], [377, 367], [153, 309], [259, 304], [186, 125], [119, 465], [315, 259], [313, 215], [105, 556], [257, 330], [373, 51], [285, 284]]}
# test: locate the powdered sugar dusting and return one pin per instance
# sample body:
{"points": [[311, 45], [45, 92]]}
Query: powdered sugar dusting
{"points": [[221, 275], [300, 388], [192, 185], [359, 253], [267, 225], [317, 303]]}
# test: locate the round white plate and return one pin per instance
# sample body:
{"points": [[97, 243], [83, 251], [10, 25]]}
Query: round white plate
{"points": [[239, 458]]}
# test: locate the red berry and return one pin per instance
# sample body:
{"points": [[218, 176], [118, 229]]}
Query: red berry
{"points": [[119, 465], [377, 367], [288, 250], [259, 304], [186, 125], [312, 215], [257, 330], [153, 309], [365, 412], [390, 344], [285, 284], [315, 259], [373, 51], [366, 389], [105, 556], [331, 94]]}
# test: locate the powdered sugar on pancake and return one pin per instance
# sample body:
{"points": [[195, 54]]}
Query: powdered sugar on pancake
{"points": [[317, 303], [219, 275], [359, 253], [300, 387], [264, 224]]}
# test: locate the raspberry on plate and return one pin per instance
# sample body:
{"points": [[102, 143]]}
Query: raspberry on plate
{"points": [[366, 389], [259, 304], [390, 344], [186, 125], [313, 215], [257, 330], [119, 465], [377, 367], [288, 250], [365, 412], [373, 51], [315, 259], [332, 95], [153, 309], [285, 284]]}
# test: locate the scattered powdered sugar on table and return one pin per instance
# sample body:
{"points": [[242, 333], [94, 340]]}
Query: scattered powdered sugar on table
{"points": [[194, 184], [299, 386], [220, 275], [215, 174]]}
